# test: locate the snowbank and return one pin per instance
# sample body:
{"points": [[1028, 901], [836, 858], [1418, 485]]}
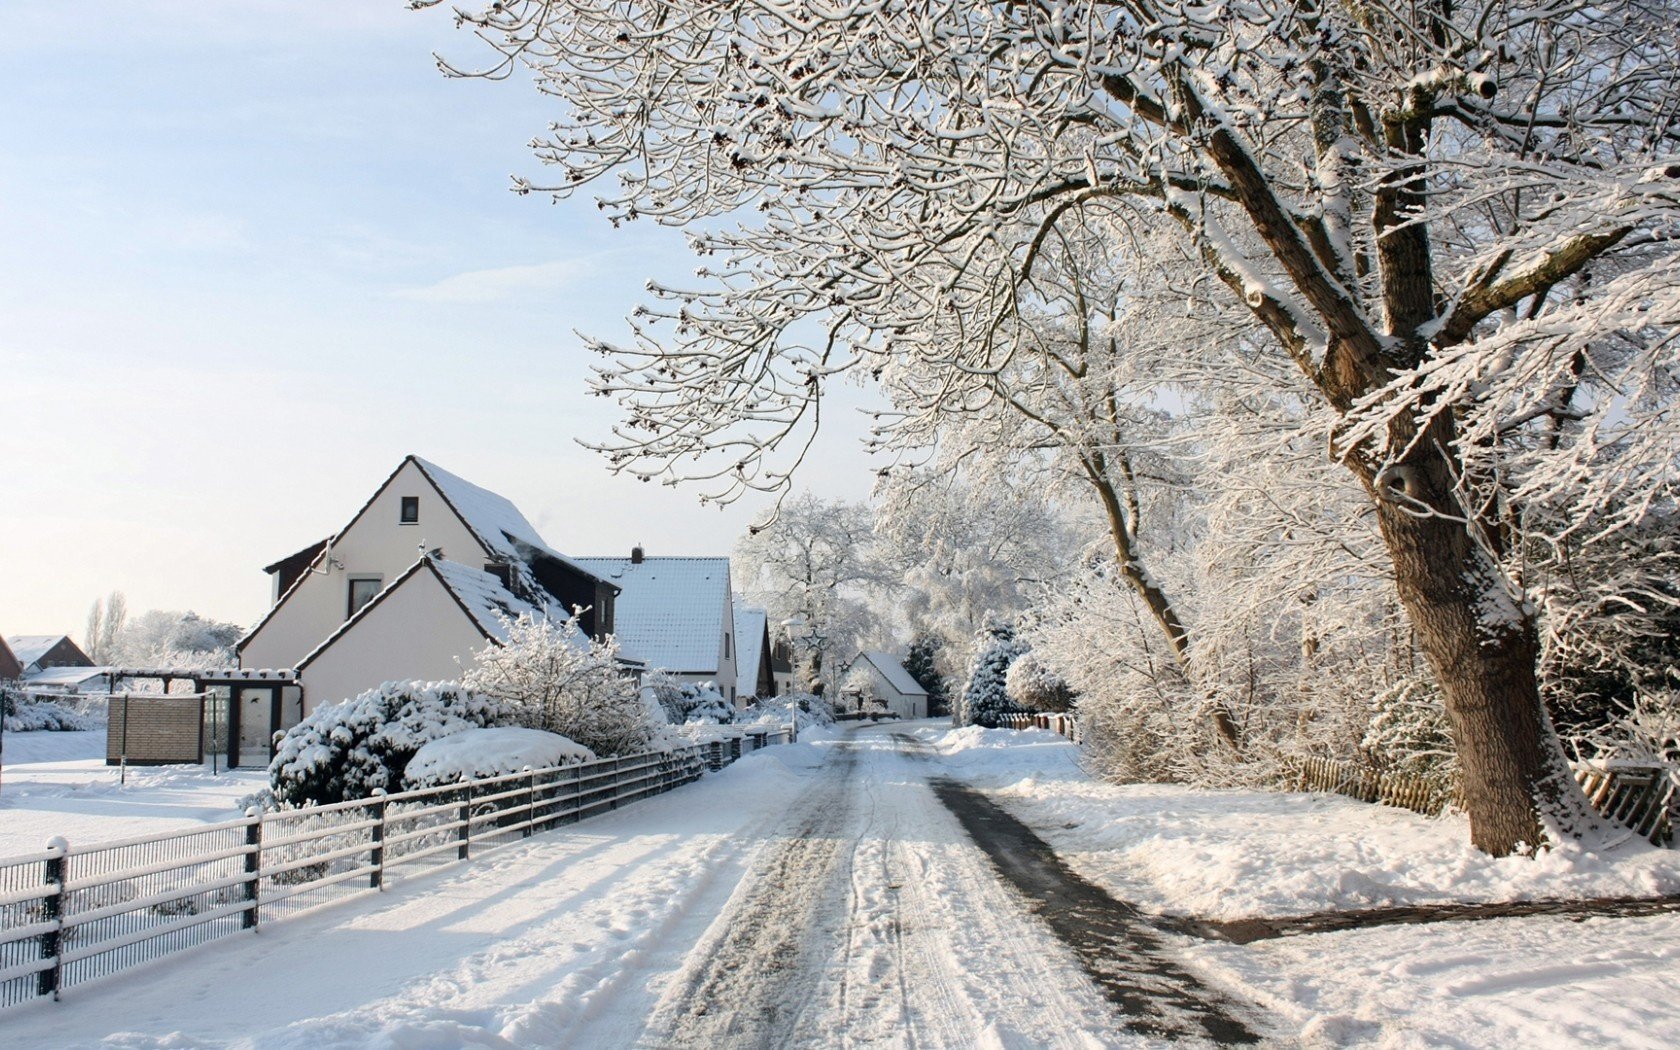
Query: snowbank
{"points": [[475, 753], [1237, 853]]}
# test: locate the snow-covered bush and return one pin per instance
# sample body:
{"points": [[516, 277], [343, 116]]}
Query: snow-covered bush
{"points": [[490, 752], [802, 709], [26, 716], [1034, 684], [553, 677], [857, 691], [985, 702], [686, 702], [344, 751]]}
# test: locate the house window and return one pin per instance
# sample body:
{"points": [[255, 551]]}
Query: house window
{"points": [[410, 514], [726, 647], [362, 590]]}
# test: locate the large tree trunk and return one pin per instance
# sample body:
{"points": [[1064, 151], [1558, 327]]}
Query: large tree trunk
{"points": [[1482, 646]]}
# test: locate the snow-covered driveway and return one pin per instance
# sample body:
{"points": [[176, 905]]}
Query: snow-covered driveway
{"points": [[813, 894]]}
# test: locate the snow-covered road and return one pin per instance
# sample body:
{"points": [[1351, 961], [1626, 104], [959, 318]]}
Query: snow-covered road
{"points": [[816, 894]]}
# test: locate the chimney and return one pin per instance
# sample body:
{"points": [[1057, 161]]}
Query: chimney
{"points": [[636, 554]]}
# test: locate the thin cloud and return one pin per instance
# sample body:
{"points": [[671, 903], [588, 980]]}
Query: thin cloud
{"points": [[498, 285]]}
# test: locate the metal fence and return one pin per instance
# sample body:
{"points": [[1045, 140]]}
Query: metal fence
{"points": [[72, 914]]}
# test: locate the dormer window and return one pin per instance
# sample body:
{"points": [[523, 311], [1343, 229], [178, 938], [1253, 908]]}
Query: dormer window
{"points": [[410, 513]]}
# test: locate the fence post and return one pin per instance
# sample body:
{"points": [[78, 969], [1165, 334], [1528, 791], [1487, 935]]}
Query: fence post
{"points": [[52, 908], [253, 868], [617, 784], [530, 802], [376, 877], [464, 835]]}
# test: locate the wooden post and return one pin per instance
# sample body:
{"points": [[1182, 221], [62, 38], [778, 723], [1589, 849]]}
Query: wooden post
{"points": [[464, 835], [376, 877], [49, 981], [530, 802], [253, 868]]}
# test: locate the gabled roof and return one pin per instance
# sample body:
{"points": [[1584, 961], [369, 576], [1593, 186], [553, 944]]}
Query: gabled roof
{"points": [[9, 665], [893, 671], [480, 595], [669, 611], [494, 521], [29, 648], [749, 646]]}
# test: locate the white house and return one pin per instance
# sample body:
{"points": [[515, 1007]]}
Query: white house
{"points": [[410, 588], [890, 683], [675, 615]]}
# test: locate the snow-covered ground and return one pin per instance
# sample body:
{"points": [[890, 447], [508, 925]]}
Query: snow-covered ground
{"points": [[59, 784], [1235, 854], [820, 894]]}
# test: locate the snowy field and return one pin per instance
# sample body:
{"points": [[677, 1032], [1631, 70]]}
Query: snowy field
{"points": [[59, 784], [819, 894]]}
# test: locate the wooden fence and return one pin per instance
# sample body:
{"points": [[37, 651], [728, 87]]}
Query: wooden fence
{"points": [[1641, 797], [1060, 722], [72, 914]]}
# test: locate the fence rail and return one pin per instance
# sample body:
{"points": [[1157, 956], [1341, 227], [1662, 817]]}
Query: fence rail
{"points": [[1641, 797], [70, 915]]}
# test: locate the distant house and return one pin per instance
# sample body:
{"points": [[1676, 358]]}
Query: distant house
{"points": [[10, 669], [41, 652], [675, 615], [891, 684], [410, 588]]}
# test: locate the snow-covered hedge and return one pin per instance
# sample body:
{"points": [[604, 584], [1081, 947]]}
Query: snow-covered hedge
{"points": [[25, 716], [490, 752], [344, 751], [1034, 684]]}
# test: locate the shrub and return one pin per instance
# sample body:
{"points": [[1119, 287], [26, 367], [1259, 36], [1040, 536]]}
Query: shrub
{"points": [[1031, 683], [553, 677], [346, 750], [496, 751], [685, 703]]}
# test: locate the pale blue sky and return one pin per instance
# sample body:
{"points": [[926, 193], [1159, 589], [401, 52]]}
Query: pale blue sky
{"points": [[250, 255]]}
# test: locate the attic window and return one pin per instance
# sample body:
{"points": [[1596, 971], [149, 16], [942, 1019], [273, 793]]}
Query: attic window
{"points": [[410, 514]]}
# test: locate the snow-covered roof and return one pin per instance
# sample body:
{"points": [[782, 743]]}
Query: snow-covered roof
{"points": [[670, 611], [494, 519], [893, 671], [9, 665], [488, 602], [749, 647], [29, 648], [62, 677]]}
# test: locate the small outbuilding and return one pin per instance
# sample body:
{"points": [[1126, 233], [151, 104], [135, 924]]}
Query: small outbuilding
{"points": [[889, 684]]}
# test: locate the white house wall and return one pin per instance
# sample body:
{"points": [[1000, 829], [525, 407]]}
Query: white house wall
{"points": [[418, 631], [727, 647], [904, 705], [377, 544]]}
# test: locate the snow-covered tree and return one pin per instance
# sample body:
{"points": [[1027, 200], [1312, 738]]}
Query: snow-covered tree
{"points": [[104, 627], [985, 699], [921, 662], [813, 565], [166, 638], [551, 676], [1035, 685], [1455, 221]]}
